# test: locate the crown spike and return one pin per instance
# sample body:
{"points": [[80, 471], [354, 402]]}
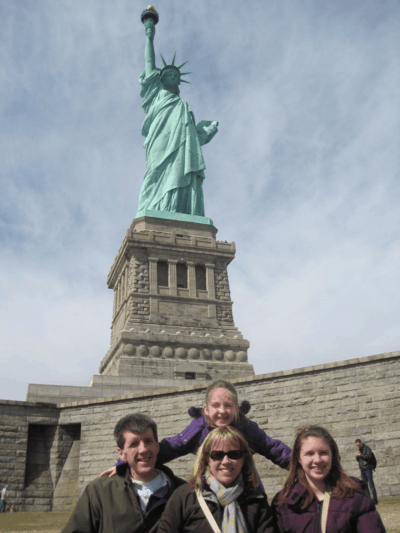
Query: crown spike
{"points": [[173, 67], [183, 64], [184, 81]]}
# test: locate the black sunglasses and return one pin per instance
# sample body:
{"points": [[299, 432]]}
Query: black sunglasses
{"points": [[234, 455]]}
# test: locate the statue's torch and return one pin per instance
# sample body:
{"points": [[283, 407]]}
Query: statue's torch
{"points": [[150, 13]]}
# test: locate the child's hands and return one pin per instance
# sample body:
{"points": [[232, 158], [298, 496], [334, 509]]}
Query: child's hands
{"points": [[111, 472]]}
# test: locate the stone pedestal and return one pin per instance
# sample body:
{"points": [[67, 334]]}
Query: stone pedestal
{"points": [[172, 315]]}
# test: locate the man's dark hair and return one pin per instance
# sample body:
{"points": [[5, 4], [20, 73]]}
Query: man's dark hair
{"points": [[358, 440], [136, 423]]}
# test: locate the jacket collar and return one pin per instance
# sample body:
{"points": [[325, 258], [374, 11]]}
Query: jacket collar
{"points": [[124, 471]]}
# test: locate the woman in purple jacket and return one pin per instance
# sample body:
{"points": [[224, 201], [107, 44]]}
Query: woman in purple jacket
{"points": [[318, 496], [221, 409]]}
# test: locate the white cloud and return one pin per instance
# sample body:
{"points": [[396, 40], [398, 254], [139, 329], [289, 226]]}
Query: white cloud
{"points": [[303, 173]]}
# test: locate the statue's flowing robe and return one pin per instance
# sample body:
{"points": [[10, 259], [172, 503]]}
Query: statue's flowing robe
{"points": [[175, 165]]}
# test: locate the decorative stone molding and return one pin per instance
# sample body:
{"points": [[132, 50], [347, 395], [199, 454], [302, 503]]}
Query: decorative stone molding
{"points": [[230, 355], [194, 353], [129, 349], [191, 278], [139, 274], [181, 353], [168, 352], [153, 274], [143, 351], [155, 351], [173, 287], [242, 357], [138, 306], [206, 354], [217, 355], [210, 280]]}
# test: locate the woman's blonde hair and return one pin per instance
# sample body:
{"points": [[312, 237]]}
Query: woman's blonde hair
{"points": [[341, 483], [217, 436]]}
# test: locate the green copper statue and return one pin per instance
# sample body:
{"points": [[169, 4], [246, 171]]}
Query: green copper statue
{"points": [[175, 166]]}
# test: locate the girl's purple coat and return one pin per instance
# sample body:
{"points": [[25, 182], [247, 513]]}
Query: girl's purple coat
{"points": [[192, 437], [353, 514]]}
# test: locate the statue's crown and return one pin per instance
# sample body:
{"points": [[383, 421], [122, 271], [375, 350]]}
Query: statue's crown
{"points": [[173, 67]]}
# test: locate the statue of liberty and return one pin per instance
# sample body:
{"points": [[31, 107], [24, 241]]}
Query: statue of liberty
{"points": [[175, 166]]}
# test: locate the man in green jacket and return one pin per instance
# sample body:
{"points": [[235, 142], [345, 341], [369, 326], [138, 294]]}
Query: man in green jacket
{"points": [[134, 499]]}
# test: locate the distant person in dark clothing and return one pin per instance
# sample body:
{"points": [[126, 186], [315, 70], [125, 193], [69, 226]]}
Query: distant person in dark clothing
{"points": [[364, 458], [3, 499]]}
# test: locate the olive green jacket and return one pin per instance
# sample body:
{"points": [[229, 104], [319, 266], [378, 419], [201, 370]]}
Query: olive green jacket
{"points": [[110, 505]]}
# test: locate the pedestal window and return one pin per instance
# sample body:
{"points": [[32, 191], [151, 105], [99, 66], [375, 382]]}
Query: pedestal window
{"points": [[201, 278], [162, 273], [181, 276]]}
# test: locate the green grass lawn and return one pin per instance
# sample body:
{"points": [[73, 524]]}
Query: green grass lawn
{"points": [[30, 522], [389, 509]]}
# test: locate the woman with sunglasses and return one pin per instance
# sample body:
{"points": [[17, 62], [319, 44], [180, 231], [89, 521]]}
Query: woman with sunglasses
{"points": [[222, 494], [318, 495]]}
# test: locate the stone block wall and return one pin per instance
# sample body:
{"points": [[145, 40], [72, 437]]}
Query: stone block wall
{"points": [[359, 398], [356, 398], [39, 458], [222, 290], [66, 465], [27, 431], [38, 486]]}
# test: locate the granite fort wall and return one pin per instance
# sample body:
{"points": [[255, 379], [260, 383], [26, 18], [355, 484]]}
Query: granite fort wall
{"points": [[354, 398], [29, 485]]}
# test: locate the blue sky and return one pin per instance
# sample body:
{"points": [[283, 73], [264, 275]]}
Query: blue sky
{"points": [[303, 174]]}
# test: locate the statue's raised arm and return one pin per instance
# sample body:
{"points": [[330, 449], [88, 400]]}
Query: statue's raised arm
{"points": [[175, 166], [149, 18], [149, 55]]}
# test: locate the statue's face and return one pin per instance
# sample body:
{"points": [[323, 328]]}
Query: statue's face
{"points": [[171, 79]]}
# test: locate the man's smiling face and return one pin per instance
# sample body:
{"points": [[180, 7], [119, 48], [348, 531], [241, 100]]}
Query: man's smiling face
{"points": [[140, 452]]}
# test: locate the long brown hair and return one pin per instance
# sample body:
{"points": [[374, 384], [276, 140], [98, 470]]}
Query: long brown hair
{"points": [[341, 483], [211, 442]]}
